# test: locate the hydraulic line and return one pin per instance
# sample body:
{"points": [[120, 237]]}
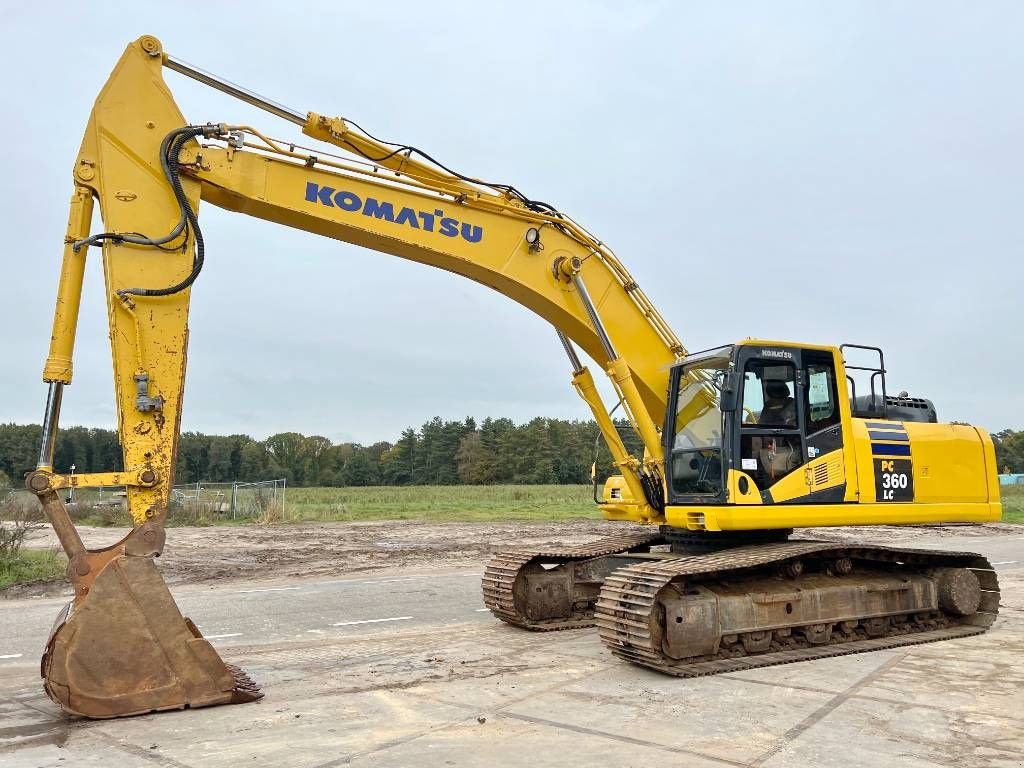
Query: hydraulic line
{"points": [[133, 237], [170, 150], [172, 168]]}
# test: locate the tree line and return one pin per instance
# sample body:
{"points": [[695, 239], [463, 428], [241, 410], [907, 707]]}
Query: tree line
{"points": [[1009, 451], [440, 452]]}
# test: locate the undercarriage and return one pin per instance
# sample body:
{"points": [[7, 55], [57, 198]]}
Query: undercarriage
{"points": [[689, 606]]}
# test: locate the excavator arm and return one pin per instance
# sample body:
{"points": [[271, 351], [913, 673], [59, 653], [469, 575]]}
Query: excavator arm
{"points": [[149, 171]]}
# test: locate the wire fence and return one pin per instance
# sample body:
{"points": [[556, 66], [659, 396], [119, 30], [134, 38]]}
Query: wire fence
{"points": [[190, 503], [260, 499]]}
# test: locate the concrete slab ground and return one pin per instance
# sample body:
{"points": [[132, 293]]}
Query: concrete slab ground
{"points": [[443, 684]]}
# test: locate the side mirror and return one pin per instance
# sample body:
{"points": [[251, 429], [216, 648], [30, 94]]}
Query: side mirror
{"points": [[730, 391]]}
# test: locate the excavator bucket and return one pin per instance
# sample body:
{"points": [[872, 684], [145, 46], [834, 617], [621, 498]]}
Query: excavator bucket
{"points": [[125, 649], [122, 647]]}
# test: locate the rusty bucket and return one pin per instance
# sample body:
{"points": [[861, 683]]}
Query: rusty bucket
{"points": [[122, 646]]}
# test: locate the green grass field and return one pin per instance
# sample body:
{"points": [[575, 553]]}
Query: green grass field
{"points": [[451, 503], [1013, 504], [479, 503], [30, 565], [435, 503]]}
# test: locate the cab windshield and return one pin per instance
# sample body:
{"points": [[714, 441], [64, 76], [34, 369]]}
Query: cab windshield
{"points": [[696, 460]]}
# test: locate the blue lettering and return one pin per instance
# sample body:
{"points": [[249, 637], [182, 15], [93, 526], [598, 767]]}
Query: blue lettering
{"points": [[348, 201], [314, 193], [428, 221], [407, 216], [378, 210], [472, 233]]}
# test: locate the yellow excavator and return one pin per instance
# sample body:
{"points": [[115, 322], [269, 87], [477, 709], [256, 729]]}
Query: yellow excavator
{"points": [[742, 443]]}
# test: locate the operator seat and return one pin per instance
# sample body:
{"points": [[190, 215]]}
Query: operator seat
{"points": [[779, 406]]}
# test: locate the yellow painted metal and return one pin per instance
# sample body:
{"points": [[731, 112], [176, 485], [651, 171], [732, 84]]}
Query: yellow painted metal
{"points": [[125, 647], [991, 467], [119, 162], [736, 496], [618, 372], [103, 479], [630, 505], [275, 189], [801, 481], [952, 470], [337, 131], [755, 342], [736, 517], [58, 366], [622, 504], [271, 187], [948, 459], [954, 476]]}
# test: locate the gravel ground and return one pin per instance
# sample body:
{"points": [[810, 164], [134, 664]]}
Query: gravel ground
{"points": [[315, 550]]}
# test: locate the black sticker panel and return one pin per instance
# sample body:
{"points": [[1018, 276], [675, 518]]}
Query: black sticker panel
{"points": [[894, 480]]}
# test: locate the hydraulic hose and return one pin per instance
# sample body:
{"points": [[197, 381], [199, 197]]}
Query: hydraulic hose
{"points": [[171, 169], [170, 149], [653, 491]]}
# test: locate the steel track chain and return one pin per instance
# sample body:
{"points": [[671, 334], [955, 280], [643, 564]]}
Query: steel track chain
{"points": [[498, 583], [628, 598]]}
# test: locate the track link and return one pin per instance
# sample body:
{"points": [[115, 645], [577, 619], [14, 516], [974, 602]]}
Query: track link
{"points": [[626, 612], [507, 567]]}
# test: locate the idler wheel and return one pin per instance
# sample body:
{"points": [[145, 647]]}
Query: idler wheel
{"points": [[959, 591]]}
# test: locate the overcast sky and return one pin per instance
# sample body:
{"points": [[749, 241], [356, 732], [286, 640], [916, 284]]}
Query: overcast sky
{"points": [[823, 172]]}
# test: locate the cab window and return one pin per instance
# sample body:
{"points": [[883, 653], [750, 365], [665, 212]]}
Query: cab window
{"points": [[822, 410], [696, 451], [769, 395]]}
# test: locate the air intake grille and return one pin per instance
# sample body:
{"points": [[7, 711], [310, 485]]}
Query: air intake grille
{"points": [[821, 474]]}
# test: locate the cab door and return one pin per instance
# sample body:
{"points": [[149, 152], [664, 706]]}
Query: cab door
{"points": [[825, 468], [824, 432], [789, 432], [769, 431]]}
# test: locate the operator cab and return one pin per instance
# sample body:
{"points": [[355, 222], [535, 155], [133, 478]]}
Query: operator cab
{"points": [[765, 409]]}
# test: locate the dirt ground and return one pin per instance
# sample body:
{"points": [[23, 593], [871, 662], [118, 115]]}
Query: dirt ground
{"points": [[360, 671], [315, 550]]}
